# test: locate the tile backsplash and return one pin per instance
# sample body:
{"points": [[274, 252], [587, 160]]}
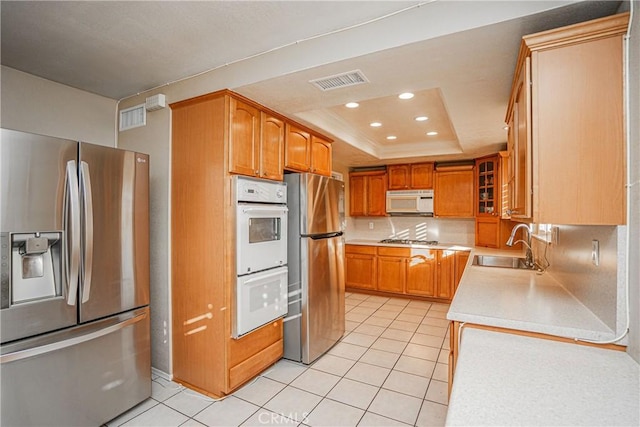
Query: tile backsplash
{"points": [[459, 231]]}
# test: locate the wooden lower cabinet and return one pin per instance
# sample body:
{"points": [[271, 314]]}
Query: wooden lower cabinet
{"points": [[429, 273], [361, 267], [421, 273], [392, 269], [249, 354], [446, 273]]}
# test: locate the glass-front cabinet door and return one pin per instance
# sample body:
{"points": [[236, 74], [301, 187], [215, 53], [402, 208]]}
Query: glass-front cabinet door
{"points": [[487, 188]]}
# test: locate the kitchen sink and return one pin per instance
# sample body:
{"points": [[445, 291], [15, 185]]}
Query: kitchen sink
{"points": [[500, 261]]}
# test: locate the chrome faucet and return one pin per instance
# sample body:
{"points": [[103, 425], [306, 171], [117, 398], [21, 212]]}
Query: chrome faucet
{"points": [[529, 263]]}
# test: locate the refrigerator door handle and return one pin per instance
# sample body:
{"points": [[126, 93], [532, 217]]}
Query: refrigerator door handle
{"points": [[72, 248], [59, 345], [85, 179]]}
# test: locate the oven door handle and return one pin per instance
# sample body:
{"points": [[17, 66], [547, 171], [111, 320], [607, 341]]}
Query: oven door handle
{"points": [[264, 276], [282, 210]]}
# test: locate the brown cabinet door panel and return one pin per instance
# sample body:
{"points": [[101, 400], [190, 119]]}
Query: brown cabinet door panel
{"points": [[391, 274], [446, 274], [377, 195], [360, 271], [244, 138], [422, 176], [297, 149], [453, 195], [320, 156], [272, 148], [398, 177], [421, 274]]}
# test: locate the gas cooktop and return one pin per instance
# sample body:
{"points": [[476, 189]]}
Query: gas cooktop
{"points": [[410, 242]]}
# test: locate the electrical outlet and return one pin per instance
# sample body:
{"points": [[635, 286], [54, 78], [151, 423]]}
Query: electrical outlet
{"points": [[595, 252], [370, 225]]}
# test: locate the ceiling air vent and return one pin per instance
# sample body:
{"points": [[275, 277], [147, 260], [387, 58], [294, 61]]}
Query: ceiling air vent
{"points": [[133, 117], [340, 80]]}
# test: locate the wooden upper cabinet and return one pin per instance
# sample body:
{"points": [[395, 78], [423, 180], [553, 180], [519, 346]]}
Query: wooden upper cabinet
{"points": [[244, 138], [398, 177], [305, 152], [271, 147], [256, 142], [297, 149], [453, 193], [422, 176], [320, 156], [568, 98], [487, 194], [367, 193], [417, 176], [521, 199]]}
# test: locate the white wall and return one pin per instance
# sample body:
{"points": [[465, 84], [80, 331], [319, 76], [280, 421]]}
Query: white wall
{"points": [[32, 104]]}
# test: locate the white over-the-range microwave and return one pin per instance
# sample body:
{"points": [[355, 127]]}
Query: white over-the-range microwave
{"points": [[410, 202]]}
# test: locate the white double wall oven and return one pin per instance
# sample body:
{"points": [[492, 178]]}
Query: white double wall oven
{"points": [[261, 253]]}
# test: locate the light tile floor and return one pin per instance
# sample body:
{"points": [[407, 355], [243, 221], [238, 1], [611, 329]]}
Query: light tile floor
{"points": [[389, 369]]}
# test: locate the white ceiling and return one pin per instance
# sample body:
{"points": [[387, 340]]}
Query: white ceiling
{"points": [[457, 61]]}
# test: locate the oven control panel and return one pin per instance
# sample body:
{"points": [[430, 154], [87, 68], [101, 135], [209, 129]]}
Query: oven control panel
{"points": [[259, 190]]}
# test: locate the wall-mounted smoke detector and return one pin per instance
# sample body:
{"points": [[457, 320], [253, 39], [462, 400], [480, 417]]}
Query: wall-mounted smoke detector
{"points": [[133, 117], [337, 81]]}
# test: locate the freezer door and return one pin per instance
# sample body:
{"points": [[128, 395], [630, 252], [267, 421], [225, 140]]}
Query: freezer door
{"points": [[322, 320], [83, 376], [321, 205], [114, 190], [39, 195]]}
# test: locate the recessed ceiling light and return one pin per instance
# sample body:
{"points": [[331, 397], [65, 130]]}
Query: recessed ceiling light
{"points": [[406, 95], [421, 118], [391, 137], [352, 105], [432, 133], [375, 124]]}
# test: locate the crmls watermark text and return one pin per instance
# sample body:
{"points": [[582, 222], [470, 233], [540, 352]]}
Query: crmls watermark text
{"points": [[271, 418]]}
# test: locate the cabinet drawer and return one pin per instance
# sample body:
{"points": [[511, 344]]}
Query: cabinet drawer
{"points": [[257, 363], [254, 342], [387, 251], [360, 249]]}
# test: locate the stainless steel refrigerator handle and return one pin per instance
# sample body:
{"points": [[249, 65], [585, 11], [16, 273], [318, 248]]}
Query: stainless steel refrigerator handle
{"points": [[73, 256], [85, 178], [48, 348]]}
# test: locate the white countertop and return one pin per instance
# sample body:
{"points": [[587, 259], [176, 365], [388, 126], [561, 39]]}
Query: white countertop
{"points": [[524, 300], [505, 379]]}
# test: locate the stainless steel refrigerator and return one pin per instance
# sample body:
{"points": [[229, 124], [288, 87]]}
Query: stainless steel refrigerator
{"points": [[315, 317], [74, 315]]}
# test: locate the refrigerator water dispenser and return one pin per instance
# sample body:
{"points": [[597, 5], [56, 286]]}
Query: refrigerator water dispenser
{"points": [[33, 274]]}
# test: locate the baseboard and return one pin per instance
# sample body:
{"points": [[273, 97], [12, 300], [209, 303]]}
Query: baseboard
{"points": [[161, 374]]}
